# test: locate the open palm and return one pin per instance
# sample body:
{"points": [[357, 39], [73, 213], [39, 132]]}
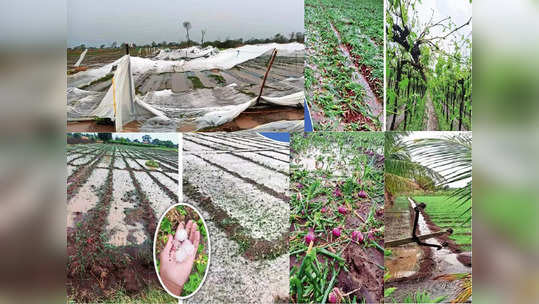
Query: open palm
{"points": [[174, 274]]}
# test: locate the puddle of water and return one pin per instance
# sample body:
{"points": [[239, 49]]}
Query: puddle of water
{"points": [[404, 262], [445, 259]]}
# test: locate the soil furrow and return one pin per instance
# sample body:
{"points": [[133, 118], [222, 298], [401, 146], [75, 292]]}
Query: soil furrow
{"points": [[242, 157], [205, 137], [432, 120], [81, 174], [260, 187], [253, 248], [370, 99], [172, 194]]}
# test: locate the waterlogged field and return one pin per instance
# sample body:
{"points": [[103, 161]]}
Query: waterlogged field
{"points": [[114, 198], [344, 64], [336, 217], [239, 182], [444, 212]]}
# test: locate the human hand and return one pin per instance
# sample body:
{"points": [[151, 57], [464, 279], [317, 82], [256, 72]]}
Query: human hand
{"points": [[174, 274]]}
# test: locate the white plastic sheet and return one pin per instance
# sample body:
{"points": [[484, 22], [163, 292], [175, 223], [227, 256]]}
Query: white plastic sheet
{"points": [[289, 100], [223, 60], [281, 126], [187, 53], [117, 104], [81, 58], [228, 113]]}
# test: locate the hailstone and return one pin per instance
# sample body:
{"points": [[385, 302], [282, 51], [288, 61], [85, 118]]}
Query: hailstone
{"points": [[181, 256], [187, 247], [181, 235]]}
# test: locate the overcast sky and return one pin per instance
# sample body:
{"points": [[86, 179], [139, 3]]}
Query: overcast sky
{"points": [[102, 22], [442, 170], [459, 11]]}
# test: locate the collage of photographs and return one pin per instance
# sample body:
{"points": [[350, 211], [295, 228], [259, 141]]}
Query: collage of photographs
{"points": [[305, 151]]}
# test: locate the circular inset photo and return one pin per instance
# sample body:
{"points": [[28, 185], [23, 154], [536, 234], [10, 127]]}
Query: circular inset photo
{"points": [[181, 250]]}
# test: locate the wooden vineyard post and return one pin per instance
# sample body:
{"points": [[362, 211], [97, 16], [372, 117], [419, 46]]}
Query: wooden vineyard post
{"points": [[403, 241], [273, 54]]}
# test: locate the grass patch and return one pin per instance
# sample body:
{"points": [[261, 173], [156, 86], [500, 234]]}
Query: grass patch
{"points": [[197, 84], [102, 79], [218, 78], [151, 295], [152, 163], [452, 211]]}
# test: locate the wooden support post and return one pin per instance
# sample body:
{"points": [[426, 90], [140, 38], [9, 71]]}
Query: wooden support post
{"points": [[400, 242], [266, 75]]}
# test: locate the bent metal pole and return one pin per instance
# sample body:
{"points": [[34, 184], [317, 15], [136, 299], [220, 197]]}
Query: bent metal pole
{"points": [[266, 75]]}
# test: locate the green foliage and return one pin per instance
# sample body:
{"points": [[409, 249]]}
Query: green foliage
{"points": [[453, 155], [201, 228], [181, 209], [422, 297], [218, 78], [345, 164], [419, 65], [401, 172], [445, 212], [152, 163], [106, 137], [197, 84], [389, 291], [192, 284], [166, 226], [329, 71]]}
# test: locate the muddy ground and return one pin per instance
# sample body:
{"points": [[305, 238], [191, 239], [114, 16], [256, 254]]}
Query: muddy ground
{"points": [[416, 268], [113, 203], [332, 166]]}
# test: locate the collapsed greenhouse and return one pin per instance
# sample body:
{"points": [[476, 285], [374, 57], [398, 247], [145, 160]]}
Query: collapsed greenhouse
{"points": [[194, 89]]}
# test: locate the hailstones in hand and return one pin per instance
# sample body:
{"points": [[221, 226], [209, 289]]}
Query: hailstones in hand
{"points": [[181, 235], [183, 246]]}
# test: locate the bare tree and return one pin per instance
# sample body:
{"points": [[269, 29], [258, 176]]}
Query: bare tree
{"points": [[203, 34], [187, 26]]}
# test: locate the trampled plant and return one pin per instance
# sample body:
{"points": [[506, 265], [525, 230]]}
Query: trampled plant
{"points": [[344, 41], [336, 216]]}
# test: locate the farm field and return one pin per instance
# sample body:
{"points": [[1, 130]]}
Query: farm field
{"points": [[187, 92], [239, 182], [420, 272], [96, 58], [344, 69], [429, 67], [337, 217], [115, 195], [428, 184]]}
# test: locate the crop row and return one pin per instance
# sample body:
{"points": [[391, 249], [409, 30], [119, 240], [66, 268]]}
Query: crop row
{"points": [[336, 96], [336, 234], [240, 184]]}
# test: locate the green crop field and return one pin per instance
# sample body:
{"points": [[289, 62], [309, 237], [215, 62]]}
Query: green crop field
{"points": [[344, 65], [446, 213]]}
